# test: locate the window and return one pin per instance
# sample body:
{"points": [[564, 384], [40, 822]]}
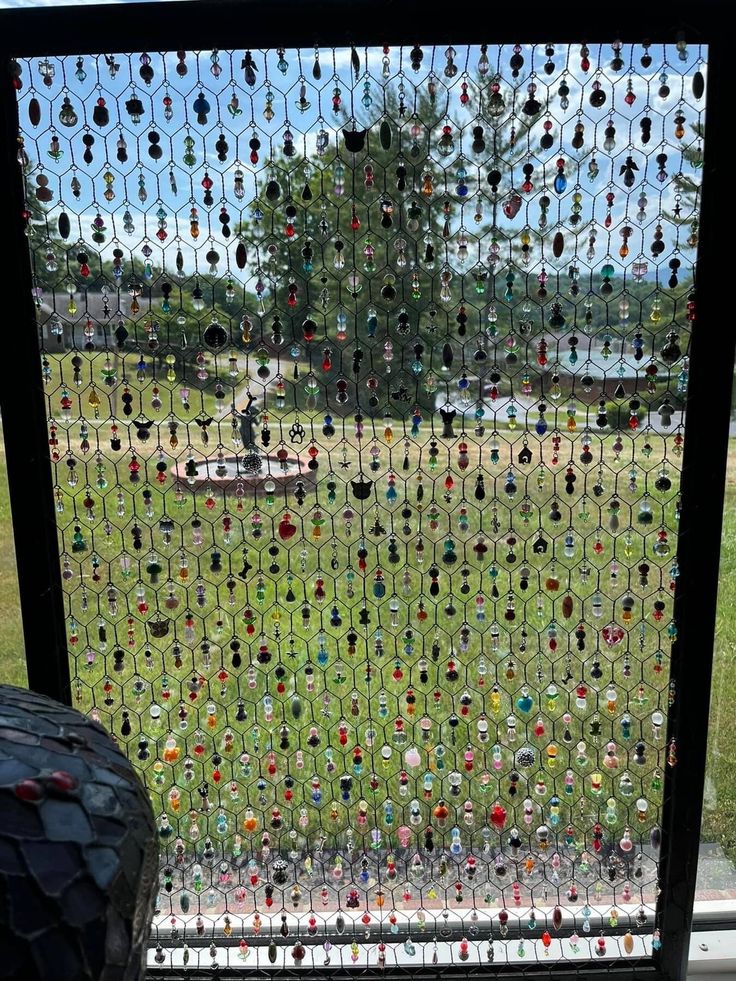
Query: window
{"points": [[365, 373]]}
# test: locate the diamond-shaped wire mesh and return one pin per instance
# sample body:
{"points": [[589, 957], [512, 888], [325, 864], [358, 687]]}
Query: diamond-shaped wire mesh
{"points": [[365, 374]]}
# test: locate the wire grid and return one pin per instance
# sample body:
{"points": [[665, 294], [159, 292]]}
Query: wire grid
{"points": [[365, 373]]}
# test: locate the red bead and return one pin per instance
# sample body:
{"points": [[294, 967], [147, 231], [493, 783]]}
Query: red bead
{"points": [[29, 790], [63, 780]]}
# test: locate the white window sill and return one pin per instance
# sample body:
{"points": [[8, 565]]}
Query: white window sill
{"points": [[712, 953]]}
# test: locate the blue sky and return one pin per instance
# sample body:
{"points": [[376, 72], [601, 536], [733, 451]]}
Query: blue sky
{"points": [[335, 70]]}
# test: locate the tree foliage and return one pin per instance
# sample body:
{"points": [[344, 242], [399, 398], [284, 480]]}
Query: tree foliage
{"points": [[401, 216]]}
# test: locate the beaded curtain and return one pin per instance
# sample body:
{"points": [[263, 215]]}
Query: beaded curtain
{"points": [[365, 373]]}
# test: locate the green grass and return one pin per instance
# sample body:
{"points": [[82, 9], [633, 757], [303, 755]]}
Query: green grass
{"points": [[720, 797], [721, 793], [12, 660]]}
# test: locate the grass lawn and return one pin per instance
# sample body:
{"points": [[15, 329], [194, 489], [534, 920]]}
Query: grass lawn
{"points": [[721, 790], [720, 798], [12, 662]]}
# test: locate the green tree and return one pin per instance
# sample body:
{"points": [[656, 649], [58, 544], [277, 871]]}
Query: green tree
{"points": [[401, 216], [688, 184], [58, 259]]}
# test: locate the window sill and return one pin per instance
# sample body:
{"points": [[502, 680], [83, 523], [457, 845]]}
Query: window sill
{"points": [[712, 953]]}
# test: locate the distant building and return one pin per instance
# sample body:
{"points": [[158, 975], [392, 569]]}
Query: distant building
{"points": [[90, 306]]}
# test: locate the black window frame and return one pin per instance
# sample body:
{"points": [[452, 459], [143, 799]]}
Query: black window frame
{"points": [[193, 24]]}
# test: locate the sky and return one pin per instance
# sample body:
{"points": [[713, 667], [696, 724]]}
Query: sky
{"points": [[286, 76]]}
